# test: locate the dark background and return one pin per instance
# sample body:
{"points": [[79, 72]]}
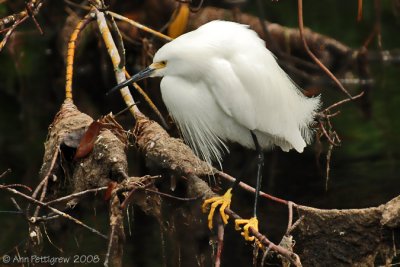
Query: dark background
{"points": [[364, 169]]}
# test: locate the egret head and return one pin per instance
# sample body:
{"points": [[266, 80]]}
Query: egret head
{"points": [[182, 57], [154, 70]]}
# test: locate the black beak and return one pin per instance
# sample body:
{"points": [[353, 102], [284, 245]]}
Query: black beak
{"points": [[137, 77]]}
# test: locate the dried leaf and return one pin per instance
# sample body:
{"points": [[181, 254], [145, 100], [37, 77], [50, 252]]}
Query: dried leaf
{"points": [[87, 142]]}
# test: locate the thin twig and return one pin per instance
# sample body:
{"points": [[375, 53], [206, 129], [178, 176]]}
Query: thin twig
{"points": [[140, 26], [10, 31], [328, 116], [119, 42], [220, 244], [44, 180], [296, 223], [127, 200], [16, 204], [359, 10], [29, 9], [325, 133], [328, 165], [251, 189], [171, 196], [5, 173], [12, 18], [311, 54], [79, 194], [42, 196], [109, 246], [342, 102], [51, 242], [63, 214], [46, 218], [17, 19], [16, 185], [290, 219]]}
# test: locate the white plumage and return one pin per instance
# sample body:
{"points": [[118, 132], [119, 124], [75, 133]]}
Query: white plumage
{"points": [[220, 81]]}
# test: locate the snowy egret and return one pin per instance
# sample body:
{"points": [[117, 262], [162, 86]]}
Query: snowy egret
{"points": [[220, 83]]}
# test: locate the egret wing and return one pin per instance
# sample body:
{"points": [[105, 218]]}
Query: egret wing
{"points": [[259, 95], [197, 115]]}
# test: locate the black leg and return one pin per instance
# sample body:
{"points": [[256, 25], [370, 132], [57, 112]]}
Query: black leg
{"points": [[235, 184], [260, 164]]}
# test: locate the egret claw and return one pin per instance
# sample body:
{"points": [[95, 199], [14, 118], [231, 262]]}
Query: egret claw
{"points": [[214, 202], [252, 222]]}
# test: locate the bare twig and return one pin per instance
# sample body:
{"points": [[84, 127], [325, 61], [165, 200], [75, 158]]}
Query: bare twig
{"points": [[16, 185], [290, 219], [296, 223], [342, 102], [328, 165], [63, 214], [46, 218], [117, 233], [10, 31], [12, 18], [109, 246], [19, 18], [325, 133], [44, 180], [127, 200], [79, 194], [16, 204], [30, 9], [140, 26], [220, 244], [251, 189], [359, 10], [42, 196], [311, 54], [51, 242], [171, 196], [5, 173]]}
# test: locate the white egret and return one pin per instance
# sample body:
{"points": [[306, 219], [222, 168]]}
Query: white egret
{"points": [[220, 83]]}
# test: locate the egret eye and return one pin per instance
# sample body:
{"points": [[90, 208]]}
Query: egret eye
{"points": [[163, 63]]}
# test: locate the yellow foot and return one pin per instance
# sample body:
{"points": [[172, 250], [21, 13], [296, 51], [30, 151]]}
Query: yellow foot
{"points": [[214, 202], [253, 222]]}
